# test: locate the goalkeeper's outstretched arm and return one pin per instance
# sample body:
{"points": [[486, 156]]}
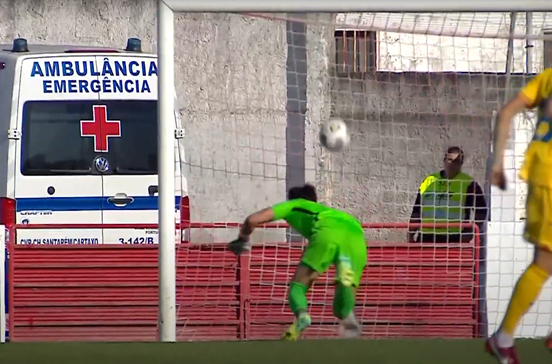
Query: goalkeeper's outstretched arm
{"points": [[242, 244], [277, 212], [252, 221]]}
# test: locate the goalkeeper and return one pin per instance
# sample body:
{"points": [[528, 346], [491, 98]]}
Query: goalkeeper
{"points": [[335, 237]]}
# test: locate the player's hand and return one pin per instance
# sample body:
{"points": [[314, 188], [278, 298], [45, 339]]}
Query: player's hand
{"points": [[498, 177], [239, 246]]}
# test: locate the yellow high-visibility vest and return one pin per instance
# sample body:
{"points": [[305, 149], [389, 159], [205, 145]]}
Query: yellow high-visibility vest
{"points": [[443, 200]]}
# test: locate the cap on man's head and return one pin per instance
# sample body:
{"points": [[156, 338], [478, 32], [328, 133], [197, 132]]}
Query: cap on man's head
{"points": [[455, 150]]}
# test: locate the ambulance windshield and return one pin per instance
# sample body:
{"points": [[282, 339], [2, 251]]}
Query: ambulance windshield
{"points": [[66, 137]]}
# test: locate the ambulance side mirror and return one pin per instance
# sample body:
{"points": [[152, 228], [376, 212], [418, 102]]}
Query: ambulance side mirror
{"points": [[152, 190]]}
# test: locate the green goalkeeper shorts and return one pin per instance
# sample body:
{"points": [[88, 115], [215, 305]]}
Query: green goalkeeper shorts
{"points": [[342, 244]]}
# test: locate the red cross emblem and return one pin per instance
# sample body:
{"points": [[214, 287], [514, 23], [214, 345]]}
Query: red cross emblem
{"points": [[100, 128]]}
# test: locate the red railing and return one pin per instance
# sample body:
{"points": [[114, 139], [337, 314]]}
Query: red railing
{"points": [[109, 292]]}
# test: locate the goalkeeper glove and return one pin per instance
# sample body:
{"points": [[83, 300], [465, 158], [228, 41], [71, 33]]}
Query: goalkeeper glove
{"points": [[239, 246]]}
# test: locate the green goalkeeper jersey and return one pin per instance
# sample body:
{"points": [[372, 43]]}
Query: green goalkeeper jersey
{"points": [[308, 217]]}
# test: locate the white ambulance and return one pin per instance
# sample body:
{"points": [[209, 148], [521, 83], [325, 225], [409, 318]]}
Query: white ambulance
{"points": [[80, 143]]}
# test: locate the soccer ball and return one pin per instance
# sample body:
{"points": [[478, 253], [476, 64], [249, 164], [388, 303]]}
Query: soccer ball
{"points": [[334, 135]]}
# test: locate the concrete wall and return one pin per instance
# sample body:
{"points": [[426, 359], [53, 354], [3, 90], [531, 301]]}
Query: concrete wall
{"points": [[401, 124], [232, 89], [320, 54], [231, 86]]}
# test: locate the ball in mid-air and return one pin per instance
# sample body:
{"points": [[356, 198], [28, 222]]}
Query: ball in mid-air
{"points": [[334, 135]]}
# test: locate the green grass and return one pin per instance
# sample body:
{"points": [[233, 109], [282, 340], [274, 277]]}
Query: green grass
{"points": [[269, 352]]}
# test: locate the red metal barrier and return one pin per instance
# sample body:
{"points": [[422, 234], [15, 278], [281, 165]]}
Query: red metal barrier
{"points": [[109, 292]]}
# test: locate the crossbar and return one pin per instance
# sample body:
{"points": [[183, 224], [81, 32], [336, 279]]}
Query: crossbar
{"points": [[345, 6]]}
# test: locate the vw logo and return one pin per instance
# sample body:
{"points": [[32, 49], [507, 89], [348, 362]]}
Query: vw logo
{"points": [[101, 164]]}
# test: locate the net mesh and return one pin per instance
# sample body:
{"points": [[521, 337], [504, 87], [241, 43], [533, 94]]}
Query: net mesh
{"points": [[409, 86]]}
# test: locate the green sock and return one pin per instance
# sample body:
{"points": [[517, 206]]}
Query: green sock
{"points": [[298, 298], [344, 301]]}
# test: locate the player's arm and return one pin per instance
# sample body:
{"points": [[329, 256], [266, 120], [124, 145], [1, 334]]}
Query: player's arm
{"points": [[528, 98], [273, 213], [254, 220], [269, 214]]}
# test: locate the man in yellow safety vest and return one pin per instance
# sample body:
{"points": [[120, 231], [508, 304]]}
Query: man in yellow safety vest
{"points": [[448, 196]]}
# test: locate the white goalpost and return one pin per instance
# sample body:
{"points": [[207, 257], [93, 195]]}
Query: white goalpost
{"points": [[167, 319], [165, 115], [354, 6]]}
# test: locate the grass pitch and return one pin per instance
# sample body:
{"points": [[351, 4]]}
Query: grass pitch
{"points": [[268, 352]]}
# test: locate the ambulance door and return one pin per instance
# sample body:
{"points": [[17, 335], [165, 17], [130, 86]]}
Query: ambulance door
{"points": [[56, 179], [130, 130]]}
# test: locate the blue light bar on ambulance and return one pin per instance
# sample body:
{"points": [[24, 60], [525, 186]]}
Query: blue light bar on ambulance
{"points": [[20, 45], [134, 45], [92, 50]]}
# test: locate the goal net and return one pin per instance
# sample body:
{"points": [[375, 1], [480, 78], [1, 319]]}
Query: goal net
{"points": [[254, 89]]}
